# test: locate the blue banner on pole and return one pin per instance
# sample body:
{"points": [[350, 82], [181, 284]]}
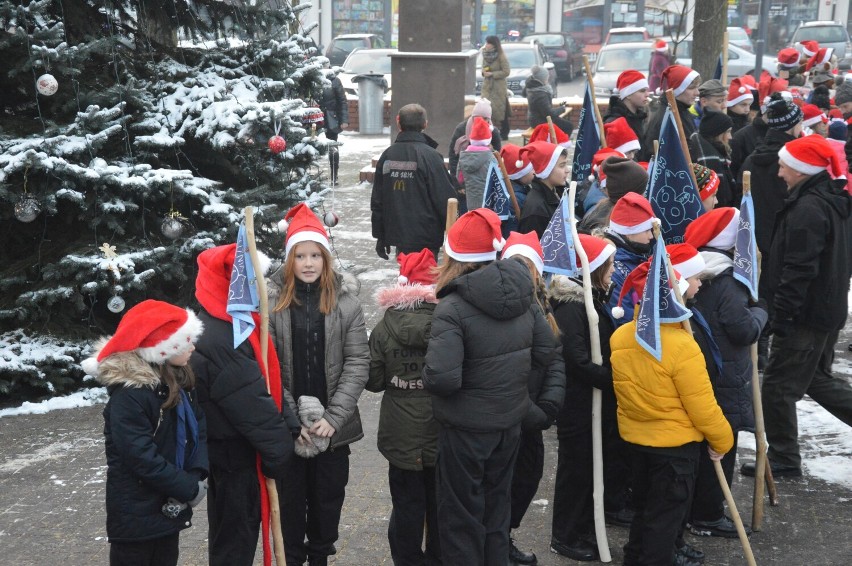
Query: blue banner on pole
{"points": [[658, 305], [496, 195], [242, 293], [557, 242], [588, 139], [745, 251], [671, 190]]}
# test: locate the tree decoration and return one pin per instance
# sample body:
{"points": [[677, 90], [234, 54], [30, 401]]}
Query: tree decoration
{"points": [[330, 219], [47, 85], [115, 304], [173, 225], [277, 144], [27, 208]]}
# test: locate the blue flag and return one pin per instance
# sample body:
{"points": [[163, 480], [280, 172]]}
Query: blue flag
{"points": [[745, 250], [671, 191], [557, 242], [242, 293], [496, 196], [659, 304], [588, 139]]}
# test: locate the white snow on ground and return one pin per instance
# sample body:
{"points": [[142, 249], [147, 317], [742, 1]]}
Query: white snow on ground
{"points": [[353, 235], [379, 275], [85, 398]]}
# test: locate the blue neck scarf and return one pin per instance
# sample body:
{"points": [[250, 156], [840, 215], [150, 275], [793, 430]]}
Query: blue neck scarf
{"points": [[186, 419]]}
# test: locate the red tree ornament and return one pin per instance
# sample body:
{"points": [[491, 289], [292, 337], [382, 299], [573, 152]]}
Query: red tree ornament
{"points": [[277, 144]]}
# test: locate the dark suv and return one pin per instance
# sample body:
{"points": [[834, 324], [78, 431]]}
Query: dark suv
{"points": [[564, 52], [342, 45]]}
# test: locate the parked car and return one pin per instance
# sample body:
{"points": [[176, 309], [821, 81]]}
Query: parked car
{"points": [[365, 62], [564, 52], [342, 45], [521, 56], [615, 58], [626, 35], [827, 34], [740, 61], [740, 38]]}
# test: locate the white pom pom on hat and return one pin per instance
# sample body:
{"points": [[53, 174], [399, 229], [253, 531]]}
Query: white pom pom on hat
{"points": [[617, 312]]}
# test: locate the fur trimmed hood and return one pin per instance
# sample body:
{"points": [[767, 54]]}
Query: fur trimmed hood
{"points": [[124, 368], [406, 297], [563, 289]]}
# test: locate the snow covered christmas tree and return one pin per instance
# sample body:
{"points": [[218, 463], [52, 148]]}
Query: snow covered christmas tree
{"points": [[125, 152]]}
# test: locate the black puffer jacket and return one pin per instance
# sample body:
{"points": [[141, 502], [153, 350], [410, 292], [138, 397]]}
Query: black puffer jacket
{"points": [[487, 333], [808, 272], [714, 156], [539, 207], [334, 106], [242, 418], [141, 446], [735, 325], [745, 141], [636, 120], [652, 133], [540, 105], [740, 121]]}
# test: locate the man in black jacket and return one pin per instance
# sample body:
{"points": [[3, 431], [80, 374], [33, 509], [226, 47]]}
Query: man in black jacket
{"points": [[808, 281], [410, 189], [684, 84]]}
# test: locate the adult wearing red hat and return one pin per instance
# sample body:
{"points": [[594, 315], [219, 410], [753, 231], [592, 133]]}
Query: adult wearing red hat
{"points": [[486, 337], [684, 84], [408, 433], [629, 100], [789, 66], [155, 433], [551, 166], [807, 279], [814, 120]]}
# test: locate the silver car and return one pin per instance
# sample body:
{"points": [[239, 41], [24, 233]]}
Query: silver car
{"points": [[827, 34], [616, 58], [740, 61], [365, 62]]}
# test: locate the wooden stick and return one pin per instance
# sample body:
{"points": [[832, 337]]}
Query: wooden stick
{"points": [[597, 358], [681, 134], [552, 129], [594, 100], [508, 182], [452, 212], [724, 77], [271, 488], [720, 474]]}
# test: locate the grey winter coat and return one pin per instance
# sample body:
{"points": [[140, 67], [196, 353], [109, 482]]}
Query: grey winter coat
{"points": [[347, 357], [473, 166], [487, 333]]}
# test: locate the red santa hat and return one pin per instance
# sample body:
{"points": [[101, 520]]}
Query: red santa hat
{"points": [[813, 115], [302, 225], [635, 283], [738, 92], [543, 156], [714, 229], [517, 161], [661, 46], [809, 48], [788, 58], [822, 58], [597, 250], [598, 158], [417, 268], [685, 259], [632, 214], [810, 155], [678, 78], [542, 133], [620, 136], [480, 133], [768, 86], [525, 245], [749, 81], [155, 330], [629, 82], [475, 237]]}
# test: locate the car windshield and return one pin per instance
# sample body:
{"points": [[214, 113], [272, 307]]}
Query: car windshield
{"points": [[617, 60], [518, 58], [551, 40], [626, 37], [348, 44], [367, 61], [821, 34]]}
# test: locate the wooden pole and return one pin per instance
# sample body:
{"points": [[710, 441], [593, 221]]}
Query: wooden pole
{"points": [[597, 358], [552, 129], [271, 488], [720, 474], [594, 100], [509, 186], [452, 212], [681, 134], [725, 58]]}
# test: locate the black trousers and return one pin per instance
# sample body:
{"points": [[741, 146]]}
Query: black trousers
{"points": [[311, 500], [233, 516], [158, 552], [474, 473], [708, 500], [415, 507], [529, 467], [800, 364], [663, 481]]}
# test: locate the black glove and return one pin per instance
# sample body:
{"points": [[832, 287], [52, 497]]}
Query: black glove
{"points": [[382, 250], [549, 410], [202, 492], [783, 327], [273, 472]]}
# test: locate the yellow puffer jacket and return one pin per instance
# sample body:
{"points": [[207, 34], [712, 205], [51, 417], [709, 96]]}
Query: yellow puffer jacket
{"points": [[667, 403]]}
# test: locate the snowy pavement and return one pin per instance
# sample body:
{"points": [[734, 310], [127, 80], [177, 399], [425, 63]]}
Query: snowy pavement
{"points": [[52, 467]]}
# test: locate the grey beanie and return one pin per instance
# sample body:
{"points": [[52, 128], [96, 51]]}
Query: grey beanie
{"points": [[713, 87], [623, 176], [843, 93], [540, 74]]}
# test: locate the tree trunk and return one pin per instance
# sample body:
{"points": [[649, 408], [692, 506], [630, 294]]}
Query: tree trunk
{"points": [[710, 22]]}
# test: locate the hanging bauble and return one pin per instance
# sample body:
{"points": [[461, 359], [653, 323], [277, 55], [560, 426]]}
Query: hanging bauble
{"points": [[277, 144], [115, 304], [27, 208], [98, 163], [47, 85], [172, 227], [313, 116], [331, 219]]}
